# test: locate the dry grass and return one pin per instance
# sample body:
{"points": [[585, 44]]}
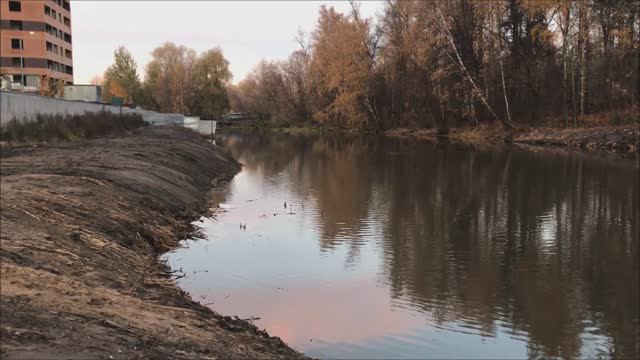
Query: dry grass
{"points": [[486, 133], [47, 128], [81, 227], [627, 116], [621, 138]]}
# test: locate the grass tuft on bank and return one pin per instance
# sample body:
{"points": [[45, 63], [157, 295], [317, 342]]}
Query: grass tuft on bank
{"points": [[46, 128]]}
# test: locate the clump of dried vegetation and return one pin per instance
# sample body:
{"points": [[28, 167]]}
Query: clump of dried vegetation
{"points": [[45, 128]]}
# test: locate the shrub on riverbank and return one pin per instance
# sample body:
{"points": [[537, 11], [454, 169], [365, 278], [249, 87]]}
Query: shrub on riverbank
{"points": [[70, 127]]}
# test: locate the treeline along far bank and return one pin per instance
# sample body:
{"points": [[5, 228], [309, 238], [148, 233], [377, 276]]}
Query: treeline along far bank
{"points": [[456, 62], [437, 64]]}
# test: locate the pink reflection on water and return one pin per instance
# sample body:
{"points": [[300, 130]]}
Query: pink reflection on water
{"points": [[346, 312]]}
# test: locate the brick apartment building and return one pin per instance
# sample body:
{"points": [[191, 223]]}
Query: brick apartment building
{"points": [[35, 41]]}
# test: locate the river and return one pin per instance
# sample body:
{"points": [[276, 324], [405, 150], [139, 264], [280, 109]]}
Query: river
{"points": [[385, 248]]}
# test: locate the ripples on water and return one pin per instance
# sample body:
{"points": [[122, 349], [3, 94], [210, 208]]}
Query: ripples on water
{"points": [[389, 248]]}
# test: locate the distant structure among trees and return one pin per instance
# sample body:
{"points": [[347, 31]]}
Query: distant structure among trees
{"points": [[455, 62], [177, 81]]}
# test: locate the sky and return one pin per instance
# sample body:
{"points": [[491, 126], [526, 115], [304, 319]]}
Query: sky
{"points": [[247, 31]]}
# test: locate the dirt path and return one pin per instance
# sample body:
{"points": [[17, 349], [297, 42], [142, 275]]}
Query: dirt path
{"points": [[622, 139], [82, 225]]}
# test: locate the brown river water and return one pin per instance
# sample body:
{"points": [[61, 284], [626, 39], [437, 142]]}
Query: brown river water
{"points": [[398, 249]]}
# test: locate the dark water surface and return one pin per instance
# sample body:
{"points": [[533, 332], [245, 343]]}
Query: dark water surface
{"points": [[390, 248]]}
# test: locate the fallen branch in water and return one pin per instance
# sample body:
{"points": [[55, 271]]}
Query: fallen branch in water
{"points": [[249, 319]]}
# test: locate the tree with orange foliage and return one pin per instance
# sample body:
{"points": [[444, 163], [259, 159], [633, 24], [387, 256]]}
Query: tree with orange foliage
{"points": [[51, 87], [341, 69]]}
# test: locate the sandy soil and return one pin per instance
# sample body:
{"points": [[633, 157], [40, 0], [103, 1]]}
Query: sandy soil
{"points": [[603, 138], [82, 225]]}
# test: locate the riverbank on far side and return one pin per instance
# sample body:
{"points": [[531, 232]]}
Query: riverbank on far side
{"points": [[622, 139]]}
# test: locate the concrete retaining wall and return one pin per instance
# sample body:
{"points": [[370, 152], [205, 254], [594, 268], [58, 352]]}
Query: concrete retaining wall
{"points": [[191, 122], [207, 127], [25, 107], [203, 127]]}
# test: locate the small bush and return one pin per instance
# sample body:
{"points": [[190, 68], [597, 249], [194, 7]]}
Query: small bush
{"points": [[70, 127]]}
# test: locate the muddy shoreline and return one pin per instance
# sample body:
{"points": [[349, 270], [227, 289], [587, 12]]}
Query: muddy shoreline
{"points": [[82, 226], [620, 139]]}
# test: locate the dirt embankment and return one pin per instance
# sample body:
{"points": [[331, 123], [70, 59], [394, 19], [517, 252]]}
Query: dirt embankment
{"points": [[82, 224], [602, 138]]}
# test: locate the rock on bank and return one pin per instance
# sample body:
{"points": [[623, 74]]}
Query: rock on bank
{"points": [[82, 224]]}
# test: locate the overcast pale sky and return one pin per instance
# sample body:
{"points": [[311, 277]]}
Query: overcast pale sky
{"points": [[247, 31]]}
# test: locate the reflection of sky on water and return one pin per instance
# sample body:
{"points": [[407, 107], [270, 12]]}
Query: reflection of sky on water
{"points": [[468, 255], [310, 297]]}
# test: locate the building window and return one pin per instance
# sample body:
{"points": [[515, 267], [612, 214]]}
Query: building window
{"points": [[47, 10], [15, 24], [67, 38], [16, 44], [67, 21], [19, 79], [65, 5], [69, 69], [32, 81], [15, 6], [55, 32], [56, 66], [67, 54], [49, 47], [16, 62]]}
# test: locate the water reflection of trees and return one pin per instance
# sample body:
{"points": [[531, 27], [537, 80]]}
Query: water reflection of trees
{"points": [[545, 244]]}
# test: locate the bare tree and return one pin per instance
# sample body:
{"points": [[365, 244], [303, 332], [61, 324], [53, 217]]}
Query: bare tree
{"points": [[444, 26]]}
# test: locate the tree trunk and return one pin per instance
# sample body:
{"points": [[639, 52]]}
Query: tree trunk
{"points": [[605, 30], [486, 85], [504, 91], [468, 104], [565, 39], [473, 112], [442, 126], [583, 58], [573, 91], [499, 47], [393, 99], [565, 118]]}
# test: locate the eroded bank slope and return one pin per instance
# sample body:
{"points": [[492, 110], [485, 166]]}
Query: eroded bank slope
{"points": [[622, 139], [82, 224]]}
